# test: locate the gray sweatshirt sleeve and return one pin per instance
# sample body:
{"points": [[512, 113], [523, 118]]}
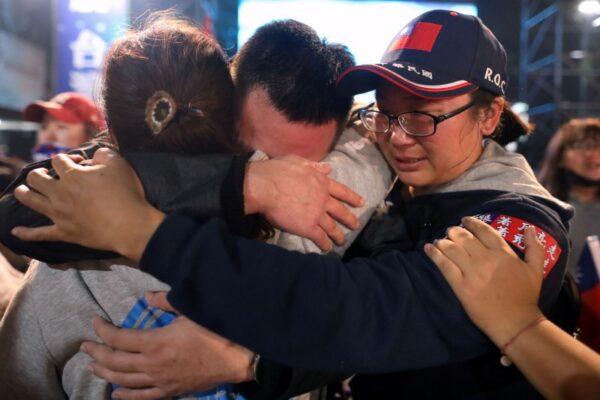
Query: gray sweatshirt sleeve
{"points": [[27, 369], [357, 163], [40, 337]]}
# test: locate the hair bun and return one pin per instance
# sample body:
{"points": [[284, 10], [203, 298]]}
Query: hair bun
{"points": [[160, 110]]}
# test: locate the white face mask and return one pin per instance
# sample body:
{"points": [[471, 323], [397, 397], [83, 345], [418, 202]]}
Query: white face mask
{"points": [[46, 150]]}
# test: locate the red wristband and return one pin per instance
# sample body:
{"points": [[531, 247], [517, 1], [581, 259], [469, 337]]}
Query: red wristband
{"points": [[512, 340]]}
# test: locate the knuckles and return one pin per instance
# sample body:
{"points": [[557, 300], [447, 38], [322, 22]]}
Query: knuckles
{"points": [[457, 233]]}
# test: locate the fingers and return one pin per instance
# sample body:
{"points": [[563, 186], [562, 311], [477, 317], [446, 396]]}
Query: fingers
{"points": [[63, 164], [343, 193], [139, 394], [159, 300], [77, 159], [103, 156], [32, 199], [39, 180], [332, 230], [117, 338], [323, 168], [114, 360], [40, 234], [535, 253], [455, 253], [127, 379], [465, 239], [487, 235], [342, 214], [320, 238], [451, 271]]}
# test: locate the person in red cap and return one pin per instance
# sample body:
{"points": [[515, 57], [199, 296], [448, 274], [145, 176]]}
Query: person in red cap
{"points": [[68, 120]]}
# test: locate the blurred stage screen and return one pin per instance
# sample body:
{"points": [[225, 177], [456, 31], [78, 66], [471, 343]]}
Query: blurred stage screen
{"points": [[83, 33], [360, 25], [366, 27]]}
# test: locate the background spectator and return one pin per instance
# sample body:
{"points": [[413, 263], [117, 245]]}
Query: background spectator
{"points": [[68, 120], [571, 172]]}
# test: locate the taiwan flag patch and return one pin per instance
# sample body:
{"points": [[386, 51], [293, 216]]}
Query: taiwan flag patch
{"points": [[512, 230], [420, 36]]}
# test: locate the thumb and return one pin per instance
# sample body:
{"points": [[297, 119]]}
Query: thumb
{"points": [[103, 156], [77, 159], [535, 253], [159, 300], [322, 167]]}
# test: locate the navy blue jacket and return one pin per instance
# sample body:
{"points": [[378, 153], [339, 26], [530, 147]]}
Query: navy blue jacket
{"points": [[390, 312]]}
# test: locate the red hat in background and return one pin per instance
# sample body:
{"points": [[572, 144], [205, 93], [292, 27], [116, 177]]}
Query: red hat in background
{"points": [[68, 107]]}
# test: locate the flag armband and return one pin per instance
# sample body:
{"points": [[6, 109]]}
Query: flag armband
{"points": [[512, 229]]}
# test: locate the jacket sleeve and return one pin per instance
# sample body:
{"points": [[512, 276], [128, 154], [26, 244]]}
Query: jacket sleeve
{"points": [[193, 185], [277, 382], [389, 313]]}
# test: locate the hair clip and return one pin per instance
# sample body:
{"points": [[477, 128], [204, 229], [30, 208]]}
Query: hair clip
{"points": [[160, 110], [193, 111]]}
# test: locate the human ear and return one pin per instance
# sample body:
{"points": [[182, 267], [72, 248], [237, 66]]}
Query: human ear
{"points": [[490, 117]]}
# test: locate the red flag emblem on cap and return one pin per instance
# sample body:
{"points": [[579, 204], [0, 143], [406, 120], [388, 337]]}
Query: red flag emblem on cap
{"points": [[512, 230], [421, 36]]}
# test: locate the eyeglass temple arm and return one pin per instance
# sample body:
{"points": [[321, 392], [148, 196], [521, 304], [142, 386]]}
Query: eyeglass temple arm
{"points": [[444, 117]]}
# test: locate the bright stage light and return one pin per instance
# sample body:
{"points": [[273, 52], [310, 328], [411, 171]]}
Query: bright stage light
{"points": [[589, 7], [596, 22]]}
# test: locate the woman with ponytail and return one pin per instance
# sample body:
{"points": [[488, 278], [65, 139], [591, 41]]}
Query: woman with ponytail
{"points": [[166, 88]]}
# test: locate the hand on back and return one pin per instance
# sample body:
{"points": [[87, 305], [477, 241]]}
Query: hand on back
{"points": [[100, 205], [498, 290]]}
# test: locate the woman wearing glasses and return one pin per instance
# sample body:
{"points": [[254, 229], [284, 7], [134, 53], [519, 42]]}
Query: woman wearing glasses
{"points": [[389, 314]]}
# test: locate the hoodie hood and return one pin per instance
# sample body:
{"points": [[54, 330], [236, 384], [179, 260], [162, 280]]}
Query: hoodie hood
{"points": [[499, 169]]}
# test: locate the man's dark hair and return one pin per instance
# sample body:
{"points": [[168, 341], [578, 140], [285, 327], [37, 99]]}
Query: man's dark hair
{"points": [[297, 69]]}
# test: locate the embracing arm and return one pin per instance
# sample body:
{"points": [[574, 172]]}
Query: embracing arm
{"points": [[200, 186], [389, 313], [386, 314]]}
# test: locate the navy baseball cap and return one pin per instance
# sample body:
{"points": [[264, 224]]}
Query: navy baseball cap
{"points": [[439, 54]]}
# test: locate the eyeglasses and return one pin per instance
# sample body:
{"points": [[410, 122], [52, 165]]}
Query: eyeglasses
{"points": [[414, 123], [585, 145]]}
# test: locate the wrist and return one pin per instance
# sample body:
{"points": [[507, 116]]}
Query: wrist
{"points": [[245, 366], [502, 332], [251, 188], [138, 235], [519, 330]]}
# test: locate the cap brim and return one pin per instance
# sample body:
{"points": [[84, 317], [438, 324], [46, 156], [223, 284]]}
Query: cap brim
{"points": [[35, 112], [364, 78]]}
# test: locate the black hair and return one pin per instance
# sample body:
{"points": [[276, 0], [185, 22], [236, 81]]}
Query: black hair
{"points": [[511, 126], [298, 71]]}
